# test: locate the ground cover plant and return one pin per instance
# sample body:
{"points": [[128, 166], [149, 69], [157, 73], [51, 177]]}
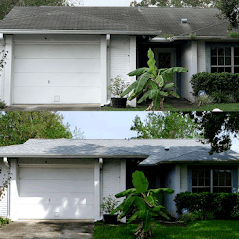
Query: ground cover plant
{"points": [[4, 221], [199, 229]]}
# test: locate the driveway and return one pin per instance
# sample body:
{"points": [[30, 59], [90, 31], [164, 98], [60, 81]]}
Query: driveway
{"points": [[63, 107], [41, 229]]}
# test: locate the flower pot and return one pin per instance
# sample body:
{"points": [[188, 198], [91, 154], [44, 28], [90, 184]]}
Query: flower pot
{"points": [[119, 102], [110, 219]]}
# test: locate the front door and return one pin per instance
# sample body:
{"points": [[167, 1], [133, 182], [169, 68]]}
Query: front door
{"points": [[166, 58]]}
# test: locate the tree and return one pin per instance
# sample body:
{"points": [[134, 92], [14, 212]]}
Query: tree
{"points": [[143, 203], [7, 5], [17, 127], [217, 129], [176, 3], [230, 11], [165, 125], [153, 83]]}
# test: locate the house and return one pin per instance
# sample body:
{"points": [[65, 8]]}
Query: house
{"points": [[67, 179], [67, 55]]}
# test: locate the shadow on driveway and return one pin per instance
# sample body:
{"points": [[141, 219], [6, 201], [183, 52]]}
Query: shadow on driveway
{"points": [[40, 229]]}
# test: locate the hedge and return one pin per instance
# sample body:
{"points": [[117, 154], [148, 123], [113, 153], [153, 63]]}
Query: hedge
{"points": [[223, 206], [221, 86]]}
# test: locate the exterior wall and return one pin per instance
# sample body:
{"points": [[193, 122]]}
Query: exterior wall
{"points": [[122, 59], [183, 178], [4, 202], [189, 61], [201, 56], [114, 177], [170, 183]]}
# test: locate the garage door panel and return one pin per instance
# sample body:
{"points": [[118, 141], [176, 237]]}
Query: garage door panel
{"points": [[57, 51], [56, 212], [44, 95], [56, 65], [78, 79], [71, 71], [56, 193], [53, 199], [56, 173], [56, 186]]}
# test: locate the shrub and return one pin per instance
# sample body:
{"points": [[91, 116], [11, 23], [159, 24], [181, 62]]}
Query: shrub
{"points": [[223, 87], [188, 217], [209, 206], [205, 100]]}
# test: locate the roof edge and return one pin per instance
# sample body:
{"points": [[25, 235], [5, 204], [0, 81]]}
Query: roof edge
{"points": [[90, 32]]}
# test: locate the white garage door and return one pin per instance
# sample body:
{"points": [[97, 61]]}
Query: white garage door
{"points": [[56, 73], [56, 193]]}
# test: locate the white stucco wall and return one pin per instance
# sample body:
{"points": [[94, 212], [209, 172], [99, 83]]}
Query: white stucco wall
{"points": [[4, 200], [190, 62], [183, 178], [114, 177], [122, 59], [201, 56]]}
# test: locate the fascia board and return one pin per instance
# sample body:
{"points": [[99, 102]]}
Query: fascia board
{"points": [[90, 32], [74, 156]]}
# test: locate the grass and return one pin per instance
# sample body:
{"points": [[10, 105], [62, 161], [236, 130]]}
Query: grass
{"points": [[167, 107], [4, 221], [198, 230]]}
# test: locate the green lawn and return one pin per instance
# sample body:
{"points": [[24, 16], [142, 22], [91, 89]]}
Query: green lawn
{"points": [[167, 107], [196, 230]]}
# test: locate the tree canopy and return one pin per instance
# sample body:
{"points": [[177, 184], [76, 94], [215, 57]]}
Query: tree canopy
{"points": [[176, 3], [165, 125], [17, 127], [217, 129]]}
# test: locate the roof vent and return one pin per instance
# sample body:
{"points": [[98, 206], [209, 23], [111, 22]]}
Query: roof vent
{"points": [[166, 148], [184, 20]]}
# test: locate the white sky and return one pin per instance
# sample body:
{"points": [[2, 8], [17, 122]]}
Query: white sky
{"points": [[109, 3], [109, 124]]}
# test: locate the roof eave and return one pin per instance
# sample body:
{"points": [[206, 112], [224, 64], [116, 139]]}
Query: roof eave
{"points": [[188, 38], [90, 32], [143, 157]]}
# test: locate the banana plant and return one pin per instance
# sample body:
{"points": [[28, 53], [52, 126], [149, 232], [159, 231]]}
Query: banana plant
{"points": [[144, 203], [154, 83]]}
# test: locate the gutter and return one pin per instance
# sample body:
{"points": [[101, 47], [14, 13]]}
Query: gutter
{"points": [[103, 32], [6, 162], [177, 38]]}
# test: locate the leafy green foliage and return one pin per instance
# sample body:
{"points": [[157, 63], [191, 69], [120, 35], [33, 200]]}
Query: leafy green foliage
{"points": [[208, 206], [175, 3], [223, 87], [109, 204], [17, 127], [229, 10], [167, 125], [153, 83], [143, 203], [212, 124]]}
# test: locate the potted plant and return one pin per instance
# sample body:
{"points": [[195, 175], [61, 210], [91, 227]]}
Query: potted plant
{"points": [[117, 87], [108, 205]]}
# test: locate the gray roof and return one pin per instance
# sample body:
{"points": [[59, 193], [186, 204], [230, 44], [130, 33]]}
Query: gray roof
{"points": [[152, 150], [148, 20]]}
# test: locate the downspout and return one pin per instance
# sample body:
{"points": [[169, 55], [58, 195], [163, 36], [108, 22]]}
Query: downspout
{"points": [[108, 64], [101, 186], [8, 191]]}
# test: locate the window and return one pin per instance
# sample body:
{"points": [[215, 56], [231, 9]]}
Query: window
{"points": [[211, 180], [225, 59]]}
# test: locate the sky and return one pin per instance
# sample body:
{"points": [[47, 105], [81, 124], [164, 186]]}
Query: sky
{"points": [[109, 124], [109, 3]]}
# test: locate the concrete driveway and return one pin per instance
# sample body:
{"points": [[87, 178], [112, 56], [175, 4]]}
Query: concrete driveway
{"points": [[41, 229], [63, 107]]}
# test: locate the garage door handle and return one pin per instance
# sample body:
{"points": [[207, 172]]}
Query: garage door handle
{"points": [[48, 82]]}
